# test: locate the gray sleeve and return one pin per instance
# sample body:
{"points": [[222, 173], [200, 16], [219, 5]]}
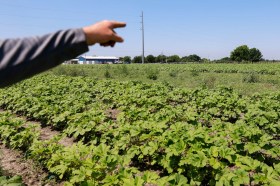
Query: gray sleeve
{"points": [[23, 58]]}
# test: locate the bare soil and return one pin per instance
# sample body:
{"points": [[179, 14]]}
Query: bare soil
{"points": [[113, 113], [47, 133], [13, 163]]}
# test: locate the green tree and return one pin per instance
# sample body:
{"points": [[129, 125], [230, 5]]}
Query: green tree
{"points": [[120, 59], [150, 59], [193, 58], [127, 59], [184, 59], [255, 55], [137, 59], [244, 53], [224, 60], [161, 59], [241, 53], [205, 60], [173, 58]]}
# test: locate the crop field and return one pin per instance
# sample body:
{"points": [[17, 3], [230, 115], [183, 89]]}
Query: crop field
{"points": [[245, 79], [104, 131]]}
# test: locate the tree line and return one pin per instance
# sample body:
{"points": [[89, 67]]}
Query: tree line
{"points": [[240, 54], [162, 59]]}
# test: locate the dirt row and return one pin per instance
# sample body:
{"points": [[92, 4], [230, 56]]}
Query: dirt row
{"points": [[13, 162]]}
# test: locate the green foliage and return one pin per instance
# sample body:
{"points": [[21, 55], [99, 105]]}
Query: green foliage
{"points": [[13, 134], [224, 60], [173, 73], [150, 59], [127, 59], [140, 134], [173, 58], [124, 70], [243, 53], [194, 73], [251, 78], [161, 59], [226, 74], [75, 71], [137, 59], [152, 74], [209, 82], [42, 151], [107, 74], [13, 181], [255, 55], [191, 58]]}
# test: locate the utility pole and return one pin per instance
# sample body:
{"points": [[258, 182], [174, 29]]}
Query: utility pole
{"points": [[143, 55]]}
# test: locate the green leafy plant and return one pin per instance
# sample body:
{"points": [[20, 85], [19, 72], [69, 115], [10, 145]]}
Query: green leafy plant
{"points": [[13, 181], [251, 78], [152, 74], [138, 133]]}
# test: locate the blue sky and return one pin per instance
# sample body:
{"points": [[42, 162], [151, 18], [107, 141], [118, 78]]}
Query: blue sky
{"points": [[209, 28]]}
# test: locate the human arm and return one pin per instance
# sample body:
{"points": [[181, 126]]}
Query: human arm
{"points": [[23, 58]]}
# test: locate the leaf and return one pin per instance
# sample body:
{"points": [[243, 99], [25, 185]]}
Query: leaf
{"points": [[252, 147], [178, 180], [138, 181], [214, 151], [196, 160], [277, 168], [59, 169], [242, 177], [215, 163], [134, 132], [150, 177]]}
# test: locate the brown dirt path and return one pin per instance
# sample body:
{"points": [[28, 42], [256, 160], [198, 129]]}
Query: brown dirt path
{"points": [[13, 163]]}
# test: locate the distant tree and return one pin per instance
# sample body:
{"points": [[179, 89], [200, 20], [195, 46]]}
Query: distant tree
{"points": [[150, 59], [137, 59], [184, 59], [205, 60], [244, 53], [255, 55], [127, 59], [241, 53], [193, 58], [173, 58], [161, 59], [225, 60]]}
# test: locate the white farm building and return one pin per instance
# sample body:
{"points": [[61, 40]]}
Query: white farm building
{"points": [[94, 60]]}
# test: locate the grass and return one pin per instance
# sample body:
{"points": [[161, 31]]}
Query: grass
{"points": [[246, 79]]}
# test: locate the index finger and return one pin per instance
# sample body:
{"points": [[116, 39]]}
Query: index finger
{"points": [[116, 24]]}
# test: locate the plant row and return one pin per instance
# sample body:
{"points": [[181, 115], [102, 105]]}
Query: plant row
{"points": [[136, 133]]}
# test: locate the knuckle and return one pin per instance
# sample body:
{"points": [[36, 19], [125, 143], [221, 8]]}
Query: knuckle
{"points": [[107, 22]]}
